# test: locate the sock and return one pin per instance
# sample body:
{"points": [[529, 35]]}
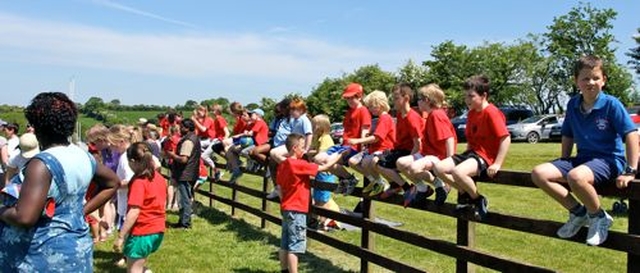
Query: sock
{"points": [[406, 186], [438, 183], [422, 187], [578, 210], [371, 179], [598, 214]]}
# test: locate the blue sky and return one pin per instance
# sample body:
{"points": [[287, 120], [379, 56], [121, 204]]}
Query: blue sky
{"points": [[162, 52]]}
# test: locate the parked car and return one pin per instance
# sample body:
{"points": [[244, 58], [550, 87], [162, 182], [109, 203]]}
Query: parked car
{"points": [[533, 129], [511, 114], [336, 132], [556, 131]]}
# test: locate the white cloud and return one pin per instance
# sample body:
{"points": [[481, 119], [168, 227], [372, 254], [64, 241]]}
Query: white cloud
{"points": [[193, 54]]}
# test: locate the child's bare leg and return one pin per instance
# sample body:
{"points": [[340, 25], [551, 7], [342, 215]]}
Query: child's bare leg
{"points": [[581, 181], [462, 175], [548, 178], [135, 266]]}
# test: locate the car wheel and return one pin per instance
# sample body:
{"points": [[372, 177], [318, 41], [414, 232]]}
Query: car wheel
{"points": [[533, 137]]}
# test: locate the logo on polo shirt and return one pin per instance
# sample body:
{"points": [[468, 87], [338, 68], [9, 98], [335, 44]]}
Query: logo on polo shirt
{"points": [[602, 124]]}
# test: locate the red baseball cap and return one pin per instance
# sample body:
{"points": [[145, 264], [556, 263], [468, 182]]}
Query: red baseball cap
{"points": [[352, 89]]}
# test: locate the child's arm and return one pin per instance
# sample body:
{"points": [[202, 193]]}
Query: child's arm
{"points": [[364, 140], [451, 146], [130, 220], [416, 146], [567, 147], [307, 141], [502, 153], [631, 141], [332, 160]]}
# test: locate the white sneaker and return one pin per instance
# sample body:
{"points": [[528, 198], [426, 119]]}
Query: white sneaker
{"points": [[274, 193], [572, 226], [599, 229]]}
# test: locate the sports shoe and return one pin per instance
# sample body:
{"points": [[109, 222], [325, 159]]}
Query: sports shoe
{"points": [[441, 195], [463, 201], [378, 187], [599, 229], [351, 183], [341, 186], [217, 175], [420, 200], [390, 192], [409, 195], [274, 193], [235, 175], [571, 227], [369, 187], [481, 208]]}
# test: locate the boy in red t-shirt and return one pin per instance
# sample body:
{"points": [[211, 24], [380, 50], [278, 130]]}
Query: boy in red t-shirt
{"points": [[143, 229], [487, 146], [218, 134], [438, 142], [409, 129], [294, 181], [256, 133], [380, 141], [357, 122], [170, 144]]}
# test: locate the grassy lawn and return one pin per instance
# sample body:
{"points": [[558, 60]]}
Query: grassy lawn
{"points": [[221, 243]]}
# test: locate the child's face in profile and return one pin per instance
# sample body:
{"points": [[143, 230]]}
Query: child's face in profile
{"points": [[296, 113], [297, 150], [398, 101], [254, 117], [424, 104], [245, 116], [353, 101], [473, 100], [375, 110], [590, 81]]}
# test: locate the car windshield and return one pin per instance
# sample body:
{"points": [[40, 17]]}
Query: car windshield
{"points": [[531, 119], [336, 127]]}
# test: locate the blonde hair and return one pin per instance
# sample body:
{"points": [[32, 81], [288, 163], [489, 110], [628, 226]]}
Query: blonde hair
{"points": [[379, 99], [97, 132], [174, 129], [433, 93], [321, 125], [120, 132]]}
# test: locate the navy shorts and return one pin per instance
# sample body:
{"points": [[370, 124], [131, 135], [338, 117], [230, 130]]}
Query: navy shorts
{"points": [[341, 148], [482, 164], [388, 159], [294, 232], [603, 171]]}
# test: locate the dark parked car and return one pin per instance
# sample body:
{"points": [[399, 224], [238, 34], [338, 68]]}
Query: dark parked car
{"points": [[511, 114], [337, 130]]}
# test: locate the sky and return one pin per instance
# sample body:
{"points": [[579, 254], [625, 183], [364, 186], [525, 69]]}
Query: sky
{"points": [[168, 52]]}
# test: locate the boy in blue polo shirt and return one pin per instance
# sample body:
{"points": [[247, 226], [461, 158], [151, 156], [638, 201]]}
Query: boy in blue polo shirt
{"points": [[597, 123]]}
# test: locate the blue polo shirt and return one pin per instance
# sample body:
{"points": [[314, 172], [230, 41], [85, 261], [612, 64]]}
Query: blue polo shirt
{"points": [[600, 133]]}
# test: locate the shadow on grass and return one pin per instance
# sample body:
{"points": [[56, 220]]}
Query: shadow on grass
{"points": [[103, 261], [248, 232]]}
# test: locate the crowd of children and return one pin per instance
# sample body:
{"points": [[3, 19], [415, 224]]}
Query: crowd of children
{"points": [[396, 149]]}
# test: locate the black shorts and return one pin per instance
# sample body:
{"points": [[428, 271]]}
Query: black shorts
{"points": [[388, 159], [482, 164], [218, 148]]}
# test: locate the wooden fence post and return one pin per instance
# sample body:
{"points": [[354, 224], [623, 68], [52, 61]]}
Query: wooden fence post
{"points": [[211, 185], [633, 261], [265, 203], [465, 236], [367, 241]]}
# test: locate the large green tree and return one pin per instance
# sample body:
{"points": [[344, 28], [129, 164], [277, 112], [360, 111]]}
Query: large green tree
{"points": [[634, 53]]}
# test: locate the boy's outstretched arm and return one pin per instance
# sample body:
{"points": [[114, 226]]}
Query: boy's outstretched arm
{"points": [[332, 160]]}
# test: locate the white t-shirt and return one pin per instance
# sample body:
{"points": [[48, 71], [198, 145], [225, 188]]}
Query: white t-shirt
{"points": [[17, 161], [124, 172], [3, 142], [12, 146]]}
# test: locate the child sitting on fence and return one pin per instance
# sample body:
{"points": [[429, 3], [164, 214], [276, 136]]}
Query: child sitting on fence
{"points": [[409, 129], [380, 141], [488, 142], [438, 142], [281, 127], [596, 123], [143, 229], [320, 143], [256, 133], [294, 181], [357, 123]]}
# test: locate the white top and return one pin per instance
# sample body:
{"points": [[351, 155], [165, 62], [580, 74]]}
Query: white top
{"points": [[12, 146], [17, 161]]}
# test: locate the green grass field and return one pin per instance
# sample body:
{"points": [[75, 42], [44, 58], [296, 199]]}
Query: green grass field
{"points": [[221, 243]]}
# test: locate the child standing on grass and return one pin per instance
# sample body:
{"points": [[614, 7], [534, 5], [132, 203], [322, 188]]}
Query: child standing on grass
{"points": [[439, 142], [596, 123], [294, 181], [488, 143], [143, 229], [380, 141], [320, 143]]}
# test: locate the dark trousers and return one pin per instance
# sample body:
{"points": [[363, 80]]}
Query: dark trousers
{"points": [[185, 189]]}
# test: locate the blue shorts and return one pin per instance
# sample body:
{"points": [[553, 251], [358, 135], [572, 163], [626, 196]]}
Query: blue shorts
{"points": [[341, 148], [321, 195], [294, 232], [603, 171]]}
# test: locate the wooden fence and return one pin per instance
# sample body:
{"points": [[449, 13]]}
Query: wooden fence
{"points": [[463, 249]]}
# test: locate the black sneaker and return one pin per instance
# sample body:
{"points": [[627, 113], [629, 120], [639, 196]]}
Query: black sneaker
{"points": [[351, 183], [463, 201], [441, 196], [481, 208], [420, 200]]}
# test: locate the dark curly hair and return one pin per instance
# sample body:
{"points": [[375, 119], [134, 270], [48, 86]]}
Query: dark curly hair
{"points": [[53, 115]]}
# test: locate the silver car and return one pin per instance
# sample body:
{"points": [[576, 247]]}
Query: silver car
{"points": [[533, 129]]}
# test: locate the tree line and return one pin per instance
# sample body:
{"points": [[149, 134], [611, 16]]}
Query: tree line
{"points": [[534, 71]]}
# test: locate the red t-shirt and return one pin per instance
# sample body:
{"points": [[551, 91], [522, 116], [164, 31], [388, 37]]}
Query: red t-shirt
{"points": [[385, 134], [207, 122], [294, 180], [239, 127], [203, 169], [151, 197], [354, 122], [260, 131], [219, 124], [484, 131], [408, 128], [438, 129]]}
